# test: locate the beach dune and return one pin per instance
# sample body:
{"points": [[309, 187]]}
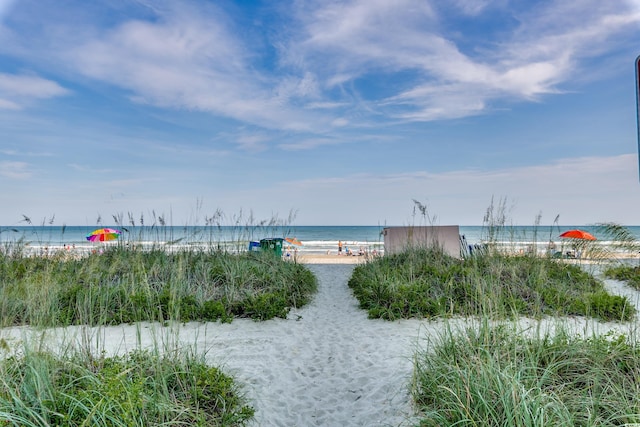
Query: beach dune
{"points": [[327, 364]]}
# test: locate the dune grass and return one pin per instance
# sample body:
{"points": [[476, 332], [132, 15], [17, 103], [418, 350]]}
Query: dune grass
{"points": [[489, 376], [141, 388], [125, 285], [192, 278], [496, 372], [626, 273], [502, 376], [427, 283]]}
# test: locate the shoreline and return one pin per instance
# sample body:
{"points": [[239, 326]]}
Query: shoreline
{"points": [[331, 259], [323, 258]]}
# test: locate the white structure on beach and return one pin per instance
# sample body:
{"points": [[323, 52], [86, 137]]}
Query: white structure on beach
{"points": [[397, 239]]}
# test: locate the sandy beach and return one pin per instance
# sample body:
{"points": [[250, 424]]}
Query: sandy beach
{"points": [[330, 259], [327, 364]]}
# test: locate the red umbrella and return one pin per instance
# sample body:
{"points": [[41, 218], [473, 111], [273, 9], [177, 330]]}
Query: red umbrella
{"points": [[293, 241], [578, 234]]}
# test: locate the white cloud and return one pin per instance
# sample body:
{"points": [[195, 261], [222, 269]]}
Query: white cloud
{"points": [[252, 142], [292, 87], [346, 41], [439, 101], [309, 143], [326, 105], [15, 170], [30, 86], [472, 7], [193, 60], [16, 90], [8, 105], [196, 57]]}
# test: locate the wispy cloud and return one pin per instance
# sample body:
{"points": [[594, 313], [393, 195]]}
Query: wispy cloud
{"points": [[15, 170], [252, 142], [473, 7], [18, 89], [348, 41], [309, 143], [192, 58], [196, 57]]}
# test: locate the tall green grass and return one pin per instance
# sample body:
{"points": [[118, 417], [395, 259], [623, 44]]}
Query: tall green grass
{"points": [[130, 282], [125, 285], [627, 270], [426, 282], [142, 388], [501, 376], [217, 231]]}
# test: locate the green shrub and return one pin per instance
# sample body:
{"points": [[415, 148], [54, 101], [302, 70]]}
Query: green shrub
{"points": [[429, 283], [609, 307], [215, 310], [628, 274], [266, 306], [127, 285], [139, 389]]}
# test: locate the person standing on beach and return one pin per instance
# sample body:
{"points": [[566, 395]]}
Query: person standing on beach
{"points": [[339, 247]]}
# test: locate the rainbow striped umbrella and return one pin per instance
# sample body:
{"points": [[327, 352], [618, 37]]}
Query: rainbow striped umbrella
{"points": [[103, 235]]}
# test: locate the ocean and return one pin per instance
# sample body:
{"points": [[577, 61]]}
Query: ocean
{"points": [[315, 239]]}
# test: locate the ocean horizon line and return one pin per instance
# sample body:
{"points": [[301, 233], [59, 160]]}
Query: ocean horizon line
{"points": [[115, 225]]}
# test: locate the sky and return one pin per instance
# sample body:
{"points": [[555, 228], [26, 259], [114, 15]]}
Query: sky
{"points": [[319, 112]]}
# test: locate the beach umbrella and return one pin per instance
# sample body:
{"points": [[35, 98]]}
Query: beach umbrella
{"points": [[293, 241], [578, 234], [103, 235]]}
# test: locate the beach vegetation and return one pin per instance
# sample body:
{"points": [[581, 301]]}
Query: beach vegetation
{"points": [[148, 274], [492, 279], [141, 388], [626, 273], [622, 241], [125, 285], [499, 375], [427, 283], [494, 373]]}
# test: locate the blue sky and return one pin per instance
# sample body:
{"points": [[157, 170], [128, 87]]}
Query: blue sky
{"points": [[342, 112]]}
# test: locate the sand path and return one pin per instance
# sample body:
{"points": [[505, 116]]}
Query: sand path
{"points": [[326, 365]]}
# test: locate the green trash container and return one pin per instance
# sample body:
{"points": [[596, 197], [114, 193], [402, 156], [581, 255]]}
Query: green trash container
{"points": [[272, 245]]}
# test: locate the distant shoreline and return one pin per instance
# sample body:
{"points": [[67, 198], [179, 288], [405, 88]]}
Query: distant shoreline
{"points": [[331, 259]]}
